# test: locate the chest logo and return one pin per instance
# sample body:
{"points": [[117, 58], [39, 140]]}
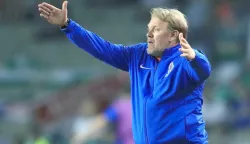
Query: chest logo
{"points": [[170, 68], [141, 66]]}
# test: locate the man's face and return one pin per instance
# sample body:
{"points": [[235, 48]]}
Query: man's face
{"points": [[159, 37]]}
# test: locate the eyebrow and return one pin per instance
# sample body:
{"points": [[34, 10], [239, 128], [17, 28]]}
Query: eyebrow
{"points": [[152, 26]]}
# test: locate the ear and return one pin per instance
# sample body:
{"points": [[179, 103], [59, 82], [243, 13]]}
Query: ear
{"points": [[174, 35]]}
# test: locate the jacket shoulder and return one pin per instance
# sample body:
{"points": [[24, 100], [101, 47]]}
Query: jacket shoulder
{"points": [[138, 46]]}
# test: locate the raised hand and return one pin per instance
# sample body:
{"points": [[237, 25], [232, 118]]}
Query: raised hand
{"points": [[186, 49], [53, 14]]}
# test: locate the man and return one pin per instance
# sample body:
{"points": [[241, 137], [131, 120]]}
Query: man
{"points": [[166, 75], [118, 114]]}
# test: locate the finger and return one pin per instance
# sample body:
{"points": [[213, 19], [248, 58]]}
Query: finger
{"points": [[183, 40], [44, 8], [44, 16], [43, 11], [49, 6], [180, 36], [185, 45], [65, 5], [184, 55], [183, 50]]}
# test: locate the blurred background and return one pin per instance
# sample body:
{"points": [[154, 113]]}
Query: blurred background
{"points": [[49, 87]]}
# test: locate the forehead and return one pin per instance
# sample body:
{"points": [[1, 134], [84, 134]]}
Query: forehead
{"points": [[157, 22]]}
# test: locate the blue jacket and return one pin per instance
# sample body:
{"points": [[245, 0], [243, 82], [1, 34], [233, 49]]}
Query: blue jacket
{"points": [[166, 95]]}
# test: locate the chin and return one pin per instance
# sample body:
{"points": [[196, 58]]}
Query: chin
{"points": [[154, 53], [151, 52]]}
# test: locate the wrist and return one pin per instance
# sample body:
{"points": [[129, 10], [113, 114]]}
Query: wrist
{"points": [[65, 24]]}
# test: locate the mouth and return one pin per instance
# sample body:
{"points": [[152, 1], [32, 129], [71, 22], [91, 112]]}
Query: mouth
{"points": [[150, 42]]}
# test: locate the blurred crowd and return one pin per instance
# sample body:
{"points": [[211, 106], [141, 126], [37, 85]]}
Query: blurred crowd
{"points": [[220, 28]]}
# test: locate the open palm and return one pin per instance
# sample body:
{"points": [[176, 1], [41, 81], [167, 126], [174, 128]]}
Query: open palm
{"points": [[186, 49], [53, 14]]}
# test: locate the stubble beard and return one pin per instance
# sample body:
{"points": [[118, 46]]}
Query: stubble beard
{"points": [[154, 52]]}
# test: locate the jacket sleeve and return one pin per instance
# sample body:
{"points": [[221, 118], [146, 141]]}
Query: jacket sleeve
{"points": [[199, 68], [115, 55]]}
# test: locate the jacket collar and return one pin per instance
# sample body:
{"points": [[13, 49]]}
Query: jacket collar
{"points": [[170, 51]]}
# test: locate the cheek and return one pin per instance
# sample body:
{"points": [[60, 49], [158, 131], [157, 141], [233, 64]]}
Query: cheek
{"points": [[161, 41]]}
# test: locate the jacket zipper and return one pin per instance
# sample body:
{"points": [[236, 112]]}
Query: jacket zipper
{"points": [[145, 125], [145, 108]]}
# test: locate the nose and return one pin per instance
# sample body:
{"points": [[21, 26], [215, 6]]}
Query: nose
{"points": [[149, 34]]}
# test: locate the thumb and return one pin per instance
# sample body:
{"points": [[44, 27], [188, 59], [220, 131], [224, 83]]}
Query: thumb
{"points": [[64, 5], [180, 36]]}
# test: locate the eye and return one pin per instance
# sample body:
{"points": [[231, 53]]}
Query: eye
{"points": [[157, 29], [147, 28]]}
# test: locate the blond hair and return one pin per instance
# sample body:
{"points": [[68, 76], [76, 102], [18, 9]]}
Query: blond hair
{"points": [[176, 20]]}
